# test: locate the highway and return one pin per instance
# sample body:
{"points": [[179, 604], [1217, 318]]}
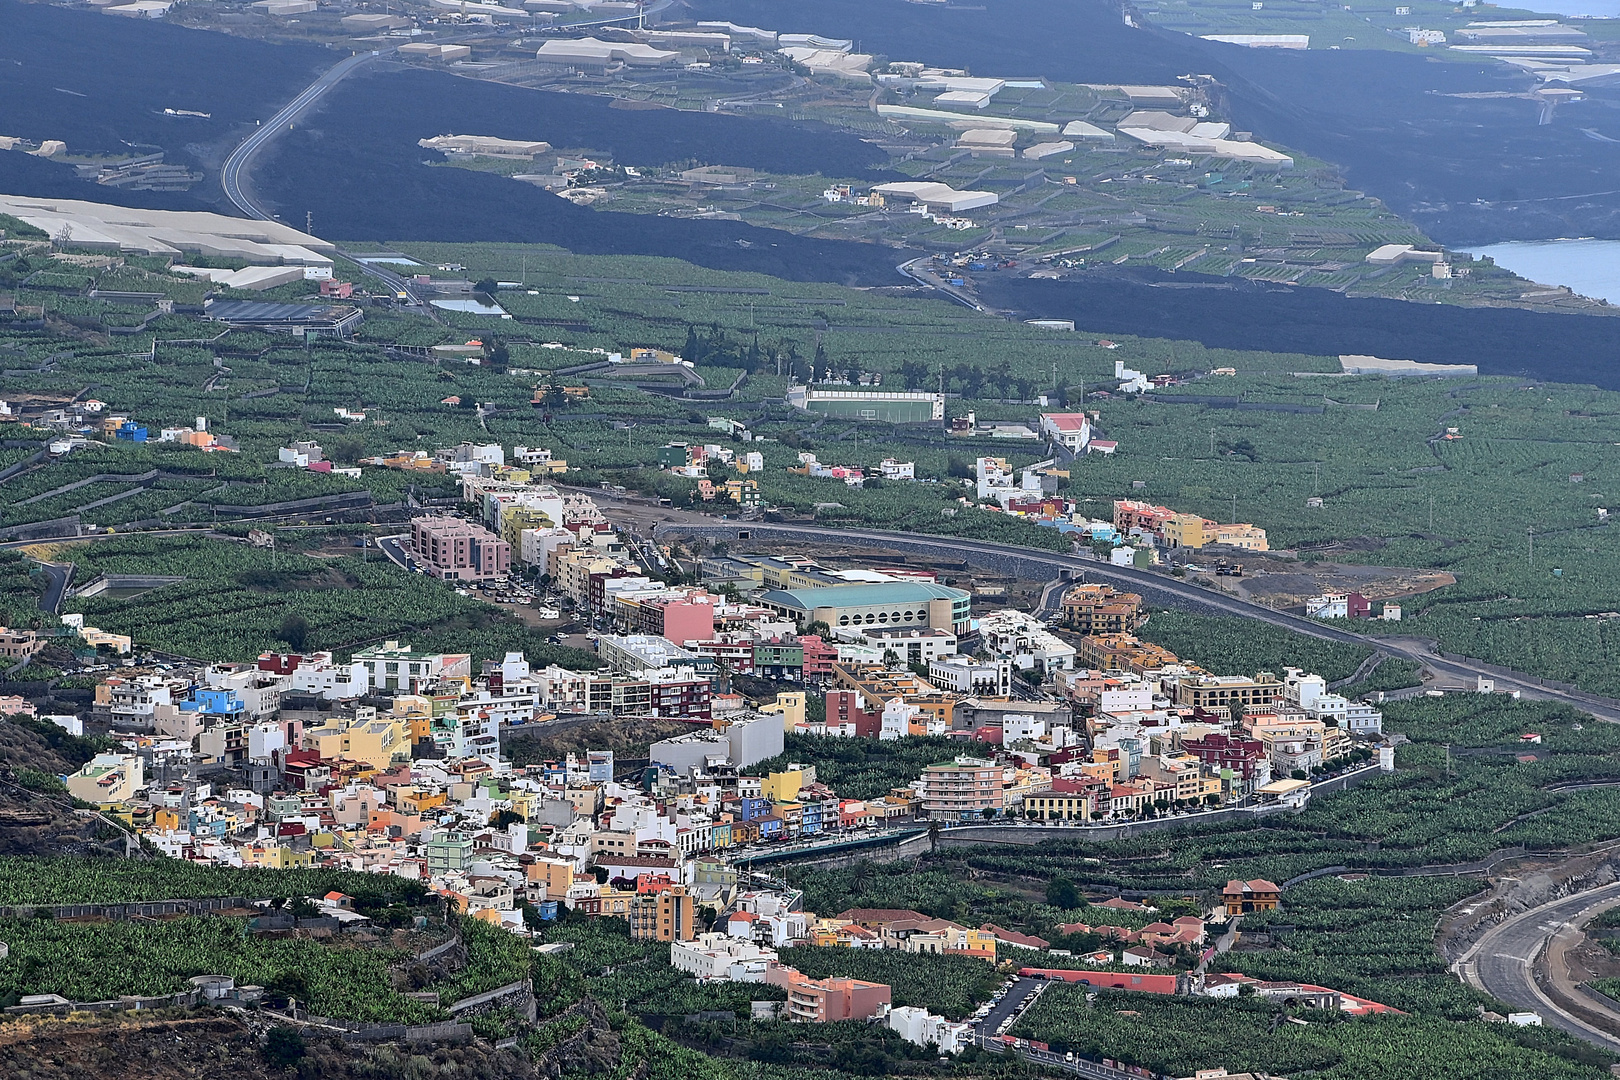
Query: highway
{"points": [[1503, 962], [231, 174], [236, 174]]}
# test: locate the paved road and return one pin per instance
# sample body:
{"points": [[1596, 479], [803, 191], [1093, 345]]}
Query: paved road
{"points": [[232, 175], [51, 600], [1502, 962], [236, 177], [1020, 990], [1039, 563], [394, 548]]}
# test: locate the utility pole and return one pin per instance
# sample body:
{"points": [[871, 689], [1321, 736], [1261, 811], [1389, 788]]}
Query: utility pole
{"points": [[1234, 509], [1431, 512], [309, 222], [1532, 545], [1316, 478], [1211, 442]]}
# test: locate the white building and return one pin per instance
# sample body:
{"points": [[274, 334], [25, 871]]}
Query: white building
{"points": [[937, 197], [922, 1028], [1022, 637], [1016, 727], [721, 958], [1131, 381], [1328, 606], [965, 675], [891, 469], [319, 674], [1072, 431]]}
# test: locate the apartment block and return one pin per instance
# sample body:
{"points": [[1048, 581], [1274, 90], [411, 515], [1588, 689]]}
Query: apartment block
{"points": [[820, 1001], [457, 550]]}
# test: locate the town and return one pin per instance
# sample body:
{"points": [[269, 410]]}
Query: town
{"points": [[394, 760]]}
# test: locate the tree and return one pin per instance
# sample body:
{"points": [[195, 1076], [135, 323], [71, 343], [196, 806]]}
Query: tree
{"points": [[496, 355], [287, 984], [345, 448], [294, 631], [488, 286], [1061, 893], [283, 1047]]}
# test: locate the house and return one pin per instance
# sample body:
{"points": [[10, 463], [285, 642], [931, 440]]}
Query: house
{"points": [[1072, 431], [939, 936], [18, 644], [1245, 896], [107, 778], [1101, 609], [1145, 956], [922, 1028], [1014, 938], [666, 915]]}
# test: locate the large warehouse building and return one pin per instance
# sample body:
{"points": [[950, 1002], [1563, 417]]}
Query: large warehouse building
{"points": [[941, 198], [884, 603]]}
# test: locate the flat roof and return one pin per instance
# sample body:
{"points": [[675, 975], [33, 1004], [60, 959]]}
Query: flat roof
{"points": [[266, 312], [863, 595]]}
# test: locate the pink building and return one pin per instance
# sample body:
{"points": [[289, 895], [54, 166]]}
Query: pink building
{"points": [[820, 1001], [457, 550], [688, 619], [964, 788]]}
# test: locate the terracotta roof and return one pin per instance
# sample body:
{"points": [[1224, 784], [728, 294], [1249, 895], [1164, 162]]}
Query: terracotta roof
{"points": [[880, 916], [1013, 937]]}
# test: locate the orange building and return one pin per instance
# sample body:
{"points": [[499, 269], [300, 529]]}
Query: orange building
{"points": [[1245, 896], [820, 1001], [667, 915]]}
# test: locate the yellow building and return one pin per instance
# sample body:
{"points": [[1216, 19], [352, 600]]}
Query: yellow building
{"points": [[378, 741], [277, 857], [514, 519], [1193, 531], [412, 800], [1223, 691], [744, 492], [789, 706], [108, 778], [782, 787], [1187, 530], [554, 876], [1244, 536]]}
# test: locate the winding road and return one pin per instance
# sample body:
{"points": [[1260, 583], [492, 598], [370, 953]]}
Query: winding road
{"points": [[1503, 962]]}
